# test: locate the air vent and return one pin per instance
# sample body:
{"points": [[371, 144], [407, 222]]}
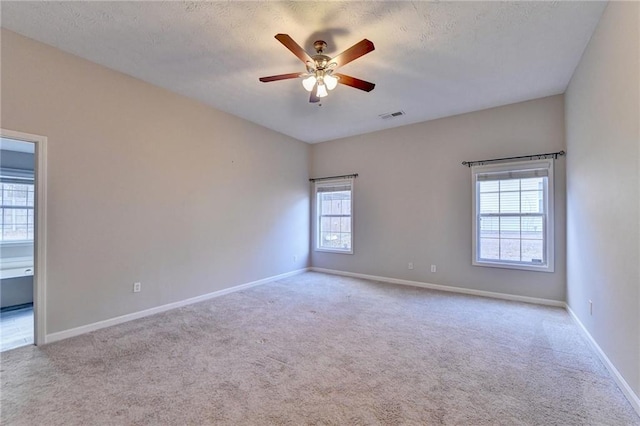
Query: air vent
{"points": [[390, 115]]}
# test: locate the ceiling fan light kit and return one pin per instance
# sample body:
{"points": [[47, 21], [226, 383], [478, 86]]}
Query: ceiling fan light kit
{"points": [[322, 91], [320, 76], [324, 80]]}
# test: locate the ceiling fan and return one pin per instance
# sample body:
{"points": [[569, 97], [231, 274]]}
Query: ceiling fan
{"points": [[320, 75]]}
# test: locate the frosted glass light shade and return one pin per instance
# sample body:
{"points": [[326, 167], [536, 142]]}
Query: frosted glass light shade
{"points": [[330, 81], [322, 91], [309, 82]]}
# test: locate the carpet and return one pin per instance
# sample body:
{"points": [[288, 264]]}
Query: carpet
{"points": [[317, 349]]}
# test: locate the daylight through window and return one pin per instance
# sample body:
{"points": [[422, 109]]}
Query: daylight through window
{"points": [[16, 210], [334, 211], [513, 215]]}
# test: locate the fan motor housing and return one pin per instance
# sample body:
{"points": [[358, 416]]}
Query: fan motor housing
{"points": [[320, 61], [319, 45]]}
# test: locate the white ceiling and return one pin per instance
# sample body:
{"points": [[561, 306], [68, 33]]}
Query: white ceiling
{"points": [[432, 59]]}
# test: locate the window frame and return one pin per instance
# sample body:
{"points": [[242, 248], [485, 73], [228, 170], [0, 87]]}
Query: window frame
{"points": [[22, 177], [548, 215], [318, 214]]}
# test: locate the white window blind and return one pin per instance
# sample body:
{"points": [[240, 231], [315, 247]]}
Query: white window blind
{"points": [[10, 175], [513, 174], [333, 188]]}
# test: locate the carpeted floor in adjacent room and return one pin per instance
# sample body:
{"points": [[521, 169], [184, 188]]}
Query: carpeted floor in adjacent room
{"points": [[322, 350]]}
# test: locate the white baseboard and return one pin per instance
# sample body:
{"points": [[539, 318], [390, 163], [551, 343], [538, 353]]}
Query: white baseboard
{"points": [[620, 381], [60, 335], [634, 400], [535, 300]]}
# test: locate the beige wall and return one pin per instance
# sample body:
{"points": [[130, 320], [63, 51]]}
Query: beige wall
{"points": [[603, 213], [145, 185], [413, 197]]}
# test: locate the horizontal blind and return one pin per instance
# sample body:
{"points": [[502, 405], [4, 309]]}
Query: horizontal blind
{"points": [[334, 188], [10, 175], [512, 174]]}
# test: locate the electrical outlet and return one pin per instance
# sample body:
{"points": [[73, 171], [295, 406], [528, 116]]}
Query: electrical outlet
{"points": [[590, 307], [137, 287], [433, 268], [410, 265]]}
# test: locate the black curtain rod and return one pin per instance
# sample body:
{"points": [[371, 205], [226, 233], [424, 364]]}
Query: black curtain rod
{"points": [[354, 175], [553, 155]]}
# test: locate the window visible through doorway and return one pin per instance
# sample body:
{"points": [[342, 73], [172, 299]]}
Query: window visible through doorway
{"points": [[20, 282], [16, 206]]}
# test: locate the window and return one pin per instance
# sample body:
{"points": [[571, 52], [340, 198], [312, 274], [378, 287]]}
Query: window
{"points": [[334, 213], [16, 206], [513, 215]]}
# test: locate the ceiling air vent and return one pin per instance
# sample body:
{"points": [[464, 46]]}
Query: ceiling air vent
{"points": [[390, 115]]}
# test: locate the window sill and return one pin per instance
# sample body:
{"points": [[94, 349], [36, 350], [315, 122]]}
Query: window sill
{"points": [[541, 268], [323, 250], [22, 243]]}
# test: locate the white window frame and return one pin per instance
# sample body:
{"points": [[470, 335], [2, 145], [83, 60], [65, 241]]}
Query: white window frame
{"points": [[22, 177], [318, 216], [548, 244]]}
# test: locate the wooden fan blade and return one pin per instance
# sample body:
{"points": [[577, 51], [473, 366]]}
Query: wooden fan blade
{"points": [[280, 77], [354, 52], [354, 82], [294, 48], [313, 97]]}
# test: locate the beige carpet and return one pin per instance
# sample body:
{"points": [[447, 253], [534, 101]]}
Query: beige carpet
{"points": [[321, 350]]}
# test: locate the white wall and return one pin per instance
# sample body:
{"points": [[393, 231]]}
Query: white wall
{"points": [[413, 196], [145, 185], [603, 213]]}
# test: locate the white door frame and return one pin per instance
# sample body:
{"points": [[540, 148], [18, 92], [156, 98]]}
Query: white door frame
{"points": [[40, 234]]}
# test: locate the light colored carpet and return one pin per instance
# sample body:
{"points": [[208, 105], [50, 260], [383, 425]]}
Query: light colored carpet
{"points": [[321, 350]]}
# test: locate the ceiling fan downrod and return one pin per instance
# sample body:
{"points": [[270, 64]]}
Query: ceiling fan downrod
{"points": [[319, 45]]}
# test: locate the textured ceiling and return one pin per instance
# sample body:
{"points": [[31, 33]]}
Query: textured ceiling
{"points": [[432, 59]]}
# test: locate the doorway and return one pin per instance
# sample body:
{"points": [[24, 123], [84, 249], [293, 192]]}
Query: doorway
{"points": [[22, 239]]}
